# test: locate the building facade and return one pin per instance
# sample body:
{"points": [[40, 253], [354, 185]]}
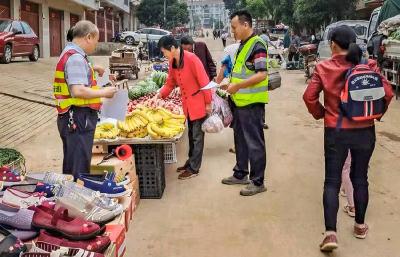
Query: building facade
{"points": [[364, 8], [209, 14], [51, 19]]}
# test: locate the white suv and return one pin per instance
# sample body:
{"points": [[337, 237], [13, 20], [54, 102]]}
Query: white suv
{"points": [[143, 35]]}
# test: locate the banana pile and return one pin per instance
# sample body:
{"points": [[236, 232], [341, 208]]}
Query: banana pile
{"points": [[164, 124], [134, 126], [106, 130]]}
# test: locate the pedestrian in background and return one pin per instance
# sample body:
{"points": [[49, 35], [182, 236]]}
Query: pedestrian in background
{"points": [[294, 47], [201, 51], [356, 136], [187, 72], [78, 98], [265, 36], [224, 37], [249, 93]]}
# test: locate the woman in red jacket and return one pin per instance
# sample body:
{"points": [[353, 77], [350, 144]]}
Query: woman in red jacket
{"points": [[356, 136], [187, 71]]}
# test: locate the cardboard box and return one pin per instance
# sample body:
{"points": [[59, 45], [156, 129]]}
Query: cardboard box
{"points": [[118, 240], [99, 149], [112, 165]]}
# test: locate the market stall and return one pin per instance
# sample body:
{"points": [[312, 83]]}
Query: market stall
{"points": [[48, 214], [152, 127]]}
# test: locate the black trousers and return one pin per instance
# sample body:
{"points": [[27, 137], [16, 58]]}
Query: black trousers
{"points": [[77, 145], [361, 143], [249, 139], [293, 55], [224, 42], [196, 145]]}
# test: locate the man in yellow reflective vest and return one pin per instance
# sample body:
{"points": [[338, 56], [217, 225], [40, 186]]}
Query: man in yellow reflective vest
{"points": [[78, 98], [249, 93]]}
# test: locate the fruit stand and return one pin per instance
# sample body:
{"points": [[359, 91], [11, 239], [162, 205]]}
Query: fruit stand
{"points": [[151, 127]]}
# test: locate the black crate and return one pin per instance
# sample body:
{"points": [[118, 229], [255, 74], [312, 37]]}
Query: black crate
{"points": [[149, 160]]}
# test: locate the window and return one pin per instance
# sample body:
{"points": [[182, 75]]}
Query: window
{"points": [[373, 24], [359, 30], [26, 28], [145, 31], [5, 25], [17, 26]]}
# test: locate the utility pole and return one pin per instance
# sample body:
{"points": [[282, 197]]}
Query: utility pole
{"points": [[165, 12]]}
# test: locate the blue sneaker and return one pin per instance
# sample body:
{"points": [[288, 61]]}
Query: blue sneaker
{"points": [[47, 189], [108, 186]]}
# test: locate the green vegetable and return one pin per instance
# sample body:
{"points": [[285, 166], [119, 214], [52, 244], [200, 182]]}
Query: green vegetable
{"points": [[8, 156]]}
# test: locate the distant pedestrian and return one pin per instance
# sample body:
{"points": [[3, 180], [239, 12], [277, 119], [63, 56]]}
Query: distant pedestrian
{"points": [[294, 47], [358, 137], [215, 34], [219, 34], [224, 36], [265, 36], [201, 50], [207, 34]]}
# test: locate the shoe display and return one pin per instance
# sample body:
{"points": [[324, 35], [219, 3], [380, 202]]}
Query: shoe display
{"points": [[15, 217], [72, 188], [81, 207], [9, 177], [108, 186], [22, 199], [98, 244], [101, 178], [10, 246], [45, 249], [58, 221]]}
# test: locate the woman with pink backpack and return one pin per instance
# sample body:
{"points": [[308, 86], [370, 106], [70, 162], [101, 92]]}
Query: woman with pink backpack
{"points": [[349, 115]]}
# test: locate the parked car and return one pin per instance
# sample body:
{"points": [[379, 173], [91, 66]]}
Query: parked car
{"points": [[360, 28], [17, 39], [143, 35]]}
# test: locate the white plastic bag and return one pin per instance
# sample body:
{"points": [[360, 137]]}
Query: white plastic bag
{"points": [[212, 124], [221, 107]]}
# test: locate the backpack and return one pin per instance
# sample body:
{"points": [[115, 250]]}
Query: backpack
{"points": [[362, 97]]}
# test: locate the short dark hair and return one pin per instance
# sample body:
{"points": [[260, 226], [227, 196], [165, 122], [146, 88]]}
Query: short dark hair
{"points": [[264, 31], [187, 40], [244, 16], [167, 42], [70, 34]]}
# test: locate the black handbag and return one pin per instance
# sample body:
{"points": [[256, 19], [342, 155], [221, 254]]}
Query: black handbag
{"points": [[274, 80]]}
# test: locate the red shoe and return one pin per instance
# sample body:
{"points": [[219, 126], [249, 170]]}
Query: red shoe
{"points": [[98, 244], [59, 222]]}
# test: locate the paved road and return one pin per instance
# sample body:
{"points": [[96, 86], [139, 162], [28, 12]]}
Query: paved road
{"points": [[201, 217]]}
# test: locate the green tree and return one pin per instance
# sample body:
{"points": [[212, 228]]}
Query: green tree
{"points": [[234, 5], [151, 13], [312, 14], [257, 8], [177, 15]]}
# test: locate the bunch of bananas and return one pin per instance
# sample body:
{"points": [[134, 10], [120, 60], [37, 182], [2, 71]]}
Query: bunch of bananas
{"points": [[164, 124], [106, 130], [134, 126]]}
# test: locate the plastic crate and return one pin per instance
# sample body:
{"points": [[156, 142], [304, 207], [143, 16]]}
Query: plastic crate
{"points": [[170, 153], [149, 160]]}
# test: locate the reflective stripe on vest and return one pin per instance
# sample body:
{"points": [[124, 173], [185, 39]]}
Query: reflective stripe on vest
{"points": [[254, 94], [63, 98]]}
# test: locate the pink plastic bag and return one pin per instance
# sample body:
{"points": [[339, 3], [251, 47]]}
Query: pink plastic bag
{"points": [[221, 107]]}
